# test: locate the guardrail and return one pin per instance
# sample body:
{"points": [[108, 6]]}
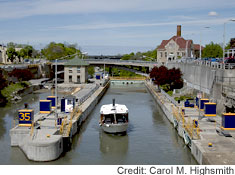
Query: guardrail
{"points": [[84, 98], [171, 99], [104, 61], [226, 80], [215, 65], [187, 124], [127, 78]]}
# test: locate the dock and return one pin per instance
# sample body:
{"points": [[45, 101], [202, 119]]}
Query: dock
{"points": [[208, 144], [45, 139]]}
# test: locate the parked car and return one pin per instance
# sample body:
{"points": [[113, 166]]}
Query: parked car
{"points": [[231, 60]]}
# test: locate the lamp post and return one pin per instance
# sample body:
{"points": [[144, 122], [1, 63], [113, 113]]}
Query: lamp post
{"points": [[186, 48], [201, 42], [233, 20], [56, 93]]}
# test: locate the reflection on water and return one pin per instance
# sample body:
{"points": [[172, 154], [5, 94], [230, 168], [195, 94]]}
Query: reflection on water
{"points": [[113, 145], [150, 138]]}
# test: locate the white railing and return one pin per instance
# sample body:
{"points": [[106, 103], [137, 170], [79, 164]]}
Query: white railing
{"points": [[85, 97], [171, 99]]}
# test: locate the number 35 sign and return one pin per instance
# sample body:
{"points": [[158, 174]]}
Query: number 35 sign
{"points": [[26, 117]]}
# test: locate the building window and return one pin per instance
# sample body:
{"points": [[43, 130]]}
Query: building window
{"points": [[178, 54], [161, 55], [70, 78], [70, 71], [78, 70], [165, 54]]}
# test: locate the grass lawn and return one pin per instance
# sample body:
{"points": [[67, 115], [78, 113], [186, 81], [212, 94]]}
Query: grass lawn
{"points": [[8, 91]]}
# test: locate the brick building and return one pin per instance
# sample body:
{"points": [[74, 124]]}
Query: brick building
{"points": [[176, 47]]}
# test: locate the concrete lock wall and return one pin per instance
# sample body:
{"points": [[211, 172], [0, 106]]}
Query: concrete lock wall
{"points": [[48, 150], [203, 78]]}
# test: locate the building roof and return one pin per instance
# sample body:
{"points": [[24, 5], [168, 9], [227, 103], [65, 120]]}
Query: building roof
{"points": [[197, 47], [180, 41], [76, 62]]}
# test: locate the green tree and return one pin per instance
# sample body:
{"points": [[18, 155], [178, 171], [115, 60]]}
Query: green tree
{"points": [[57, 50], [212, 51], [11, 44], [3, 84], [91, 70], [11, 54], [146, 56]]}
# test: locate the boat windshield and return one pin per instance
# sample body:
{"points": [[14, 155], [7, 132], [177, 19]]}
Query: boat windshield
{"points": [[109, 118], [122, 118]]}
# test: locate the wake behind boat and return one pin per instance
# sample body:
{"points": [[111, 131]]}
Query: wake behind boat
{"points": [[114, 118]]}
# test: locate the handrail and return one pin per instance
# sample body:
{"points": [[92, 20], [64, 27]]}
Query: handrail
{"points": [[127, 78], [84, 98], [188, 125], [171, 99]]}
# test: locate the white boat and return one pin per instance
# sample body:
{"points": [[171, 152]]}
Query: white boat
{"points": [[114, 118]]}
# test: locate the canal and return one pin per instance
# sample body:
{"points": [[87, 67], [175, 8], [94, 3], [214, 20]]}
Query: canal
{"points": [[150, 138]]}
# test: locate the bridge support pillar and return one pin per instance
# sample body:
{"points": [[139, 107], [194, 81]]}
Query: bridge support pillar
{"points": [[110, 70]]}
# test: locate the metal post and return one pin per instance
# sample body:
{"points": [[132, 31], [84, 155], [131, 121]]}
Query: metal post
{"points": [[186, 51], [200, 45], [56, 115], [224, 43]]}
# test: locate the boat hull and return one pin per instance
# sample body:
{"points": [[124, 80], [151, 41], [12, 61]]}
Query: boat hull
{"points": [[115, 128]]}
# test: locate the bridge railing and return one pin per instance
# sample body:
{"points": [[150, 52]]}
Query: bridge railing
{"points": [[211, 64], [121, 61], [225, 80]]}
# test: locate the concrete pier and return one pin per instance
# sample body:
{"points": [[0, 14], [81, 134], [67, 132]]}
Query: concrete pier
{"points": [[45, 140], [221, 152]]}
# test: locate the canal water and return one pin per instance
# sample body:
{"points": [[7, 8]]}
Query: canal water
{"points": [[150, 138]]}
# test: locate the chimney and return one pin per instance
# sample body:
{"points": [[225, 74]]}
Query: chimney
{"points": [[178, 30]]}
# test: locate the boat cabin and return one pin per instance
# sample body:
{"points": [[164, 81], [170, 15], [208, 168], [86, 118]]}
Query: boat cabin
{"points": [[114, 114]]}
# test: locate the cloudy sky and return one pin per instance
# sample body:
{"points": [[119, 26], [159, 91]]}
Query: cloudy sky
{"points": [[114, 26]]}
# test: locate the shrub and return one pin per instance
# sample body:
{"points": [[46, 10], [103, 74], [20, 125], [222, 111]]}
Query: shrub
{"points": [[22, 74]]}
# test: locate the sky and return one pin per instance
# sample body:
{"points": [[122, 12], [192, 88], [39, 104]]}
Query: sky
{"points": [[111, 27]]}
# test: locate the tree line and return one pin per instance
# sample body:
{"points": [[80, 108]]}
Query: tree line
{"points": [[57, 50], [51, 52]]}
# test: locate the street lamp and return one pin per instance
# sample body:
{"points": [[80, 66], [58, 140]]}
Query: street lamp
{"points": [[224, 38], [186, 49], [56, 114], [201, 42]]}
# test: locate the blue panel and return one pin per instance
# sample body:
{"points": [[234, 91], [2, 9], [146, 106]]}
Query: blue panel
{"points": [[197, 101], [186, 103], [25, 117], [45, 106], [98, 77], [202, 103], [210, 109], [59, 121], [62, 105], [52, 101], [228, 121]]}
